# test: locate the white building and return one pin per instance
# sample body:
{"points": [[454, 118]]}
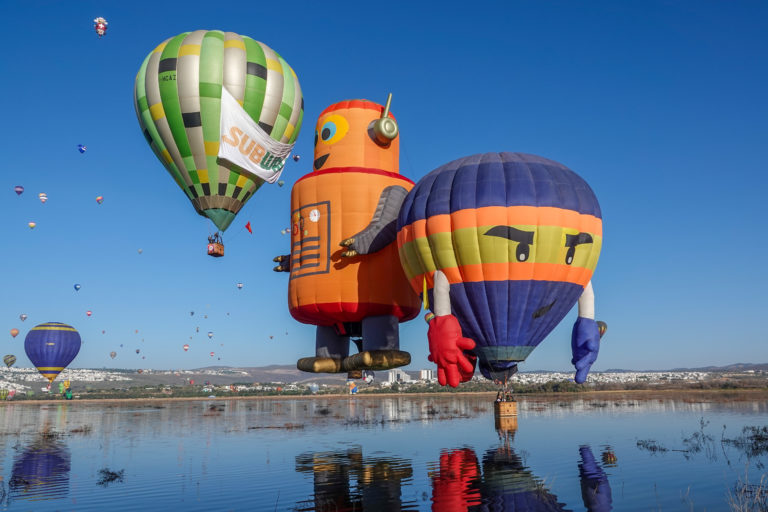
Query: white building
{"points": [[397, 375], [428, 375]]}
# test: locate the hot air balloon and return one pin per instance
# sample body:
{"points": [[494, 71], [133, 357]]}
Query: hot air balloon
{"points": [[77, 287], [23, 317], [508, 243], [296, 158], [43, 197], [351, 198], [191, 313], [89, 312], [280, 183], [221, 111], [239, 286], [210, 335], [100, 26], [113, 354], [138, 350], [103, 332], [14, 332], [212, 354], [99, 199], [31, 225], [139, 371], [51, 347], [82, 149], [18, 189], [9, 360], [141, 251], [186, 347], [602, 327]]}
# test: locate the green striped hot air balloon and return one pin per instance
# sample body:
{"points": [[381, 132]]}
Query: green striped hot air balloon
{"points": [[183, 95]]}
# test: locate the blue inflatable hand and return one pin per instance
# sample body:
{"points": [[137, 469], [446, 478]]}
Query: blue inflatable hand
{"points": [[585, 343]]}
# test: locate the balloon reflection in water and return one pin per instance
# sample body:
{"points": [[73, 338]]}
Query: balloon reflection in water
{"points": [[345, 480], [41, 471], [503, 482]]}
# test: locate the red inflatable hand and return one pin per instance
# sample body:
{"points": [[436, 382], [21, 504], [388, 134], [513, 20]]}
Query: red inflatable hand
{"points": [[446, 350], [452, 487]]}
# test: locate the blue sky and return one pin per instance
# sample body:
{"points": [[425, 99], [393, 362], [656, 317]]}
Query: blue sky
{"points": [[660, 106]]}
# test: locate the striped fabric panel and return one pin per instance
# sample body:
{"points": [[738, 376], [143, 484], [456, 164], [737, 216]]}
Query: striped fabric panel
{"points": [[186, 84], [210, 79], [274, 90]]}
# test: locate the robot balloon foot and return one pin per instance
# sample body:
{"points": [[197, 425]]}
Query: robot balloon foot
{"points": [[377, 360], [319, 365]]}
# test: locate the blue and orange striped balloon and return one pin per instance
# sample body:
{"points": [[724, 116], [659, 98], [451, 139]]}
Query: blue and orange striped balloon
{"points": [[51, 347], [518, 237]]}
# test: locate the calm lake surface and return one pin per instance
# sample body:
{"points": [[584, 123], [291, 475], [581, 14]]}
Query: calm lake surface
{"points": [[687, 451]]}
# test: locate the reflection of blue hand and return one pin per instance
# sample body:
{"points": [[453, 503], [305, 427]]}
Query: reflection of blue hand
{"points": [[585, 343], [595, 489]]}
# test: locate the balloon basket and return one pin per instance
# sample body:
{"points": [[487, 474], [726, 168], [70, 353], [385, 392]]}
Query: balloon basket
{"points": [[216, 250], [507, 409]]}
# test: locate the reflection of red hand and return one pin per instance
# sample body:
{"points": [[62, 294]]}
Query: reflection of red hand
{"points": [[451, 488], [446, 349]]}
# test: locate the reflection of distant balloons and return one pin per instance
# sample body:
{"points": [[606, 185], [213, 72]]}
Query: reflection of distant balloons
{"points": [[41, 472], [14, 332]]}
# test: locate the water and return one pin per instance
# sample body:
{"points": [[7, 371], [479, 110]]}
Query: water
{"points": [[380, 453]]}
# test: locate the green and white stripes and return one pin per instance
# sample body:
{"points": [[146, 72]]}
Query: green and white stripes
{"points": [[177, 97]]}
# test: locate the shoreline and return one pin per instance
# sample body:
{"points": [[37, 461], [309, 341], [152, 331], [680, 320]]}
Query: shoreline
{"points": [[638, 394]]}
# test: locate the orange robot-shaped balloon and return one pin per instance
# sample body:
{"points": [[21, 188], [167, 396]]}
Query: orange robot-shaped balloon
{"points": [[345, 273]]}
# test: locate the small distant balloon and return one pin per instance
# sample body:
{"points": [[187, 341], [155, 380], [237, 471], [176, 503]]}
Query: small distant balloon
{"points": [[14, 332], [9, 360], [136, 331], [143, 357], [296, 158], [81, 148], [212, 354], [141, 251], [239, 286], [191, 313], [43, 197], [210, 335], [23, 317], [280, 183], [271, 337], [77, 287], [99, 199], [205, 316], [113, 354], [100, 26], [18, 189], [31, 225], [140, 371], [103, 332], [138, 350], [602, 327], [186, 347], [121, 345], [89, 312]]}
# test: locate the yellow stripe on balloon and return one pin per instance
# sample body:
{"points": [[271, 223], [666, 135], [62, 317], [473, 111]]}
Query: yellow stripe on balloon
{"points": [[157, 111], [53, 328], [234, 43], [274, 66], [189, 49]]}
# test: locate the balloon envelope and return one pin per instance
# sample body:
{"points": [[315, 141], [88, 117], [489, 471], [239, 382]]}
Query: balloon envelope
{"points": [[113, 354], [239, 286], [185, 347], [602, 327], [14, 332], [81, 148], [89, 313], [31, 225], [210, 335], [178, 102], [9, 360], [77, 287], [518, 237], [99, 199], [51, 347], [23, 317], [18, 189]]}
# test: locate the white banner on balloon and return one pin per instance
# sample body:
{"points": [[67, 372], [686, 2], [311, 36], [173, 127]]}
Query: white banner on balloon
{"points": [[244, 143]]}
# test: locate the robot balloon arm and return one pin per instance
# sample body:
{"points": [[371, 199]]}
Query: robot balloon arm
{"points": [[446, 343], [382, 230], [585, 338]]}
